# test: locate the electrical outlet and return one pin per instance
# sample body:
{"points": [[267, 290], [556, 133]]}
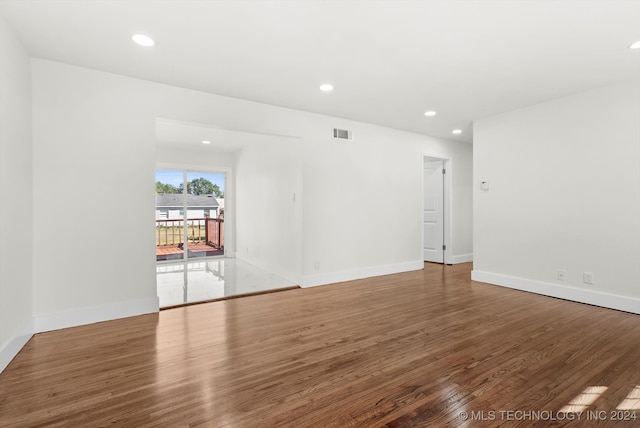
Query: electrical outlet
{"points": [[562, 275], [316, 265], [587, 278]]}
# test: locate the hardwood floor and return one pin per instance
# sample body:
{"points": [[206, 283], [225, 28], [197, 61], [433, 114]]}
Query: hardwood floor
{"points": [[412, 349]]}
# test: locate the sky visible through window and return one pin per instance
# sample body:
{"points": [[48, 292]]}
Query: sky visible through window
{"points": [[175, 177]]}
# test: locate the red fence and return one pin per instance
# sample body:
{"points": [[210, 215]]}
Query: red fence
{"points": [[206, 230], [214, 232]]}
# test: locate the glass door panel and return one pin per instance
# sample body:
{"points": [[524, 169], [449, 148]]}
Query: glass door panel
{"points": [[189, 214], [170, 215], [205, 215]]}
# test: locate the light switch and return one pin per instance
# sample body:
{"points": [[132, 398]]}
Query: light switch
{"points": [[484, 185]]}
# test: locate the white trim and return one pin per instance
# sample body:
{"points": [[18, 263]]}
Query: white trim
{"points": [[591, 297], [96, 314], [462, 258], [193, 168], [367, 272], [11, 349]]}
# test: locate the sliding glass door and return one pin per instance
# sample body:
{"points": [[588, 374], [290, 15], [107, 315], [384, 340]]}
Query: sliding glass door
{"points": [[189, 214]]}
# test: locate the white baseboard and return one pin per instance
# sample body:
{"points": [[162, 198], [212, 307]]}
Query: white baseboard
{"points": [[367, 272], [11, 349], [596, 298], [95, 314], [463, 258]]}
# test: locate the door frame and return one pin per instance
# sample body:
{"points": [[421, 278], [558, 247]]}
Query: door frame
{"points": [[446, 207], [229, 204]]}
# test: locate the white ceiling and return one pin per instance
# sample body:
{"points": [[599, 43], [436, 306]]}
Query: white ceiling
{"points": [[389, 61]]}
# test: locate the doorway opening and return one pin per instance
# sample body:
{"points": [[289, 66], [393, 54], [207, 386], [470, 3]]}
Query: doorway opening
{"points": [[435, 210], [189, 214]]}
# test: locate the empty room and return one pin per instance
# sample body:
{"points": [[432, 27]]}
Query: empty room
{"points": [[367, 213]]}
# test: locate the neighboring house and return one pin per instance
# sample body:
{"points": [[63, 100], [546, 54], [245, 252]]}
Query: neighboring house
{"points": [[171, 206]]}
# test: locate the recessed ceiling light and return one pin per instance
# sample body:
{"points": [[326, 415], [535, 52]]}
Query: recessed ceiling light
{"points": [[457, 131], [206, 142], [635, 45], [326, 87], [430, 113], [143, 40]]}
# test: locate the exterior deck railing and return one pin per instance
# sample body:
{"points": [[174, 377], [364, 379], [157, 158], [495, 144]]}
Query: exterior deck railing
{"points": [[199, 230]]}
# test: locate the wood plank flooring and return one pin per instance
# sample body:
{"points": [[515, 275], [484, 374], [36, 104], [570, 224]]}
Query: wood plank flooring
{"points": [[412, 349]]}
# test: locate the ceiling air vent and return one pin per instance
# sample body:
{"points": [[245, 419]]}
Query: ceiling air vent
{"points": [[342, 134]]}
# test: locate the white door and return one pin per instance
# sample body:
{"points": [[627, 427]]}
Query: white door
{"points": [[433, 214]]}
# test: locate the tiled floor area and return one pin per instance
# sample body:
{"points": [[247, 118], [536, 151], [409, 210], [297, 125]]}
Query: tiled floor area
{"points": [[194, 281]]}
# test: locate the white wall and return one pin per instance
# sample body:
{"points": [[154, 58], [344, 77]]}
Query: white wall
{"points": [[269, 206], [94, 134], [93, 147], [194, 157], [564, 194], [16, 208], [362, 200]]}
